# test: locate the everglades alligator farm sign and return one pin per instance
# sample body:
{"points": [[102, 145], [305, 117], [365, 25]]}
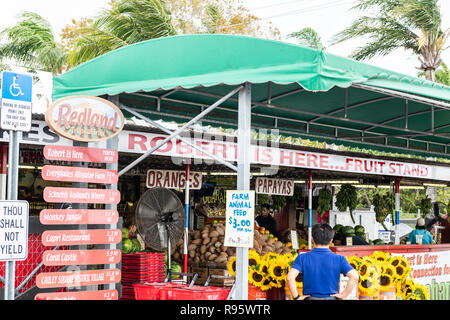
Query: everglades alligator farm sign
{"points": [[85, 118]]}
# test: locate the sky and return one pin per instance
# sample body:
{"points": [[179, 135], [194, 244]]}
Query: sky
{"points": [[327, 17]]}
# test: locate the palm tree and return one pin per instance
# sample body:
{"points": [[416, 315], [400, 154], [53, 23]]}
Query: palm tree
{"points": [[125, 22], [414, 25], [31, 44], [308, 37]]}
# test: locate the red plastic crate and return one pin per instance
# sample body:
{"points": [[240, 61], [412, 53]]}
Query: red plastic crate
{"points": [[154, 291], [198, 293]]}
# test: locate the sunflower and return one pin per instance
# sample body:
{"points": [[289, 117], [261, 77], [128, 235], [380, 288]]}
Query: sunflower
{"points": [[421, 291], [253, 258], [381, 256], [266, 284], [277, 269], [412, 296], [232, 266], [368, 285], [386, 281], [255, 277], [401, 265], [363, 267], [387, 269], [374, 271], [408, 287], [355, 262]]}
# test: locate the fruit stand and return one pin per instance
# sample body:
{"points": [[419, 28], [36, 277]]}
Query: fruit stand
{"points": [[350, 103]]}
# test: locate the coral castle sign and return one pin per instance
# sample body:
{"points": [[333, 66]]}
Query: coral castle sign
{"points": [[85, 118]]}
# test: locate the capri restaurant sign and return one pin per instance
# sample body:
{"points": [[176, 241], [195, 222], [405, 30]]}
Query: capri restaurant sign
{"points": [[85, 118]]}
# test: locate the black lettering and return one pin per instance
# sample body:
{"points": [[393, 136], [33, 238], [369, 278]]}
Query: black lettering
{"points": [[52, 134]]}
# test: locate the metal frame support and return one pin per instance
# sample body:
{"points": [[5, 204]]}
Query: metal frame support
{"points": [[397, 210], [193, 145], [186, 219], [310, 210], [177, 132], [243, 182], [12, 191]]}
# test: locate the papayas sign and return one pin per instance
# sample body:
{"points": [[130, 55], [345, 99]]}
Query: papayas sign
{"points": [[85, 118]]}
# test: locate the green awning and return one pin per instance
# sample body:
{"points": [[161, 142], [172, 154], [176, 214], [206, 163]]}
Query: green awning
{"points": [[299, 91]]}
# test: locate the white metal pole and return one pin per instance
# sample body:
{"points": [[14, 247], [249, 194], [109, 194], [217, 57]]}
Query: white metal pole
{"points": [[397, 211], [310, 210], [13, 179], [243, 182], [186, 219]]}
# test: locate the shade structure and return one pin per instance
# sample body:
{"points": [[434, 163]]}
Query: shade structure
{"points": [[299, 91]]}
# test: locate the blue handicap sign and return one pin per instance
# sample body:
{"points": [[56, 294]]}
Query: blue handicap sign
{"points": [[16, 86]]}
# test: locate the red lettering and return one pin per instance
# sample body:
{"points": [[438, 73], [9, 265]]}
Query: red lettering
{"points": [[288, 157], [267, 153], [199, 144], [220, 148], [424, 171], [182, 148], [366, 162], [381, 163], [358, 165], [323, 162], [391, 168], [348, 162], [299, 159], [168, 145], [63, 116], [150, 179], [137, 139], [311, 159], [158, 179]]}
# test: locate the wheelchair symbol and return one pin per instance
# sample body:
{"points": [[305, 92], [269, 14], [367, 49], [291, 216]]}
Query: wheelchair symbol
{"points": [[15, 89]]}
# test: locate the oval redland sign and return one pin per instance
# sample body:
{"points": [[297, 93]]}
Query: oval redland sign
{"points": [[85, 118]]}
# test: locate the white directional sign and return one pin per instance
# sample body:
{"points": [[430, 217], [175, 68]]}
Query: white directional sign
{"points": [[13, 230], [16, 101]]}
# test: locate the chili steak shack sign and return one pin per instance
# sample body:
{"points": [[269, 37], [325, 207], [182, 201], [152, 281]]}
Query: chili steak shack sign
{"points": [[85, 118]]}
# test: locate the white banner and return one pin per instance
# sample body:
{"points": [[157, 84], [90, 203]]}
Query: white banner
{"points": [[431, 269], [225, 148]]}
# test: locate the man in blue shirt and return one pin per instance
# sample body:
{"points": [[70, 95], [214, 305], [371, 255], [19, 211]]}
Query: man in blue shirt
{"points": [[420, 230], [321, 269]]}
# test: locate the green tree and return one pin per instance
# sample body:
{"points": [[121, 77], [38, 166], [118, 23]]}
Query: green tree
{"points": [[308, 37], [123, 23], [31, 44], [218, 17], [413, 25]]}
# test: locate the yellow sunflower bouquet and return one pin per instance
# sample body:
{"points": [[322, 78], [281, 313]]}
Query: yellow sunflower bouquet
{"points": [[382, 276]]}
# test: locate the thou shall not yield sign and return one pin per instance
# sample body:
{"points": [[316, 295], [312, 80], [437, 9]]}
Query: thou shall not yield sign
{"points": [[13, 230]]}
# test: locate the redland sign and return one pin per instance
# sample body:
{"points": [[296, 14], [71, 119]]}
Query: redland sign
{"points": [[85, 118]]}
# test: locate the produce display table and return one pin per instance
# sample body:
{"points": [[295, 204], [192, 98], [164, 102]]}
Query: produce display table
{"points": [[430, 264], [404, 248]]}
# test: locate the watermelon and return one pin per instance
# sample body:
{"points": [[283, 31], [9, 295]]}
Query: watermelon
{"points": [[359, 229], [378, 242], [337, 228], [127, 246], [175, 267], [348, 231]]}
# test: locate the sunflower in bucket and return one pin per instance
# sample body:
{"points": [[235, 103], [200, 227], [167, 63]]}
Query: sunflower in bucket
{"points": [[255, 277], [418, 292], [368, 285]]}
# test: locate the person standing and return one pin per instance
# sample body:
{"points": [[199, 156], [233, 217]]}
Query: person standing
{"points": [[420, 231], [321, 269], [266, 220]]}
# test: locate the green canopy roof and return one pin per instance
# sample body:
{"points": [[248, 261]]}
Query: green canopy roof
{"points": [[300, 91]]}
